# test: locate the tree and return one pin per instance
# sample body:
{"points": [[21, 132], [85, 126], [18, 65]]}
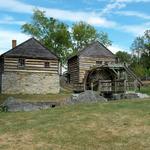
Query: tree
{"points": [[103, 38], [139, 70], [146, 52], [141, 45], [55, 35], [124, 57], [51, 32], [137, 47], [83, 34]]}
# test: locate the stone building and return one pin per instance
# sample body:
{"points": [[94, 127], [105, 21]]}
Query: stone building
{"points": [[29, 68]]}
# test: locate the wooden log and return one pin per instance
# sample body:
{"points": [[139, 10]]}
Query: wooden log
{"points": [[11, 64]]}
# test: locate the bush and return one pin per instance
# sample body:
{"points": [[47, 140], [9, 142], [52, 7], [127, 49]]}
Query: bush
{"points": [[139, 70]]}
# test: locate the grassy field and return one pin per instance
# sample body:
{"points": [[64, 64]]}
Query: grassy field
{"points": [[117, 125], [145, 89], [37, 97]]}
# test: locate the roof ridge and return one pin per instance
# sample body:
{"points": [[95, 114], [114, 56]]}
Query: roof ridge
{"points": [[90, 45], [45, 47], [33, 44], [106, 47], [17, 46]]}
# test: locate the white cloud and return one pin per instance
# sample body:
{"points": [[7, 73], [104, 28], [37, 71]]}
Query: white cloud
{"points": [[115, 48], [90, 17], [132, 1], [111, 6], [96, 21], [136, 30], [118, 4], [7, 36], [15, 6], [91, 2], [11, 20], [134, 14]]}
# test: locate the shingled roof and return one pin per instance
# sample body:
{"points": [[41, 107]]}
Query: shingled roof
{"points": [[30, 49], [95, 49]]}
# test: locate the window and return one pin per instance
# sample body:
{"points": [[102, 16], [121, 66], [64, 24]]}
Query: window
{"points": [[21, 62], [47, 64], [99, 62]]}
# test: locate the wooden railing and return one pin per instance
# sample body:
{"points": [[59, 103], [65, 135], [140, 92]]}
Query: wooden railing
{"points": [[116, 86]]}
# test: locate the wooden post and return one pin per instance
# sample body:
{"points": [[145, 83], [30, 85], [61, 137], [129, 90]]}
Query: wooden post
{"points": [[125, 85], [92, 86], [118, 75], [135, 85], [115, 86], [84, 86], [99, 86], [125, 81]]}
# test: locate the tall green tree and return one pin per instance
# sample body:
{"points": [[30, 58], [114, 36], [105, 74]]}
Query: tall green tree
{"points": [[83, 34], [137, 47], [146, 52], [56, 36], [141, 45], [124, 57], [51, 32]]}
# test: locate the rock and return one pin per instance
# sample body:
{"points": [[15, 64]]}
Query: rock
{"points": [[86, 97], [141, 95], [9, 101], [131, 96], [116, 97], [14, 105]]}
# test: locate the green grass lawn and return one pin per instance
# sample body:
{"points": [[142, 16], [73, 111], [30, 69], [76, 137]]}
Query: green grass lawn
{"points": [[37, 97], [145, 89], [116, 125]]}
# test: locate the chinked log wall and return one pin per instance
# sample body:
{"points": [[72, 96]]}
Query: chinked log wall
{"points": [[31, 65], [85, 63], [34, 78]]}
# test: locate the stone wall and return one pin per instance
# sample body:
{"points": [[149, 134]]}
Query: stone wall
{"points": [[29, 83]]}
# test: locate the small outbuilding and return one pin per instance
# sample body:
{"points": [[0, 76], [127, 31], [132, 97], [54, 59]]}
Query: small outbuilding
{"points": [[94, 54], [29, 68], [95, 67]]}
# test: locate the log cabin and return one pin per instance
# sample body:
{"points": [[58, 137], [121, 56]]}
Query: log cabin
{"points": [[95, 67], [29, 68], [93, 54]]}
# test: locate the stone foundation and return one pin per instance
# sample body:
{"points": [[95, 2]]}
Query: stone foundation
{"points": [[29, 83]]}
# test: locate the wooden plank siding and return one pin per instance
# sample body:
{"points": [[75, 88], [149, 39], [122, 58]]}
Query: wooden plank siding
{"points": [[1, 71], [31, 65], [86, 62], [1, 65], [73, 70]]}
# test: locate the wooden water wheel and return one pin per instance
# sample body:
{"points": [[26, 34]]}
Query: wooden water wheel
{"points": [[97, 77]]}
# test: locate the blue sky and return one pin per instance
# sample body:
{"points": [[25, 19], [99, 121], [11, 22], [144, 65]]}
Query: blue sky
{"points": [[123, 20]]}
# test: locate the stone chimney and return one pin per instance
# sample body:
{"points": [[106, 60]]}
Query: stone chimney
{"points": [[14, 43]]}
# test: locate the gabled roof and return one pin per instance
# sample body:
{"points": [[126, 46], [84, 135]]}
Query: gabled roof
{"points": [[30, 49], [95, 49]]}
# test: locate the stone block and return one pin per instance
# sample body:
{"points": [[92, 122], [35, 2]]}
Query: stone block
{"points": [[29, 83]]}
